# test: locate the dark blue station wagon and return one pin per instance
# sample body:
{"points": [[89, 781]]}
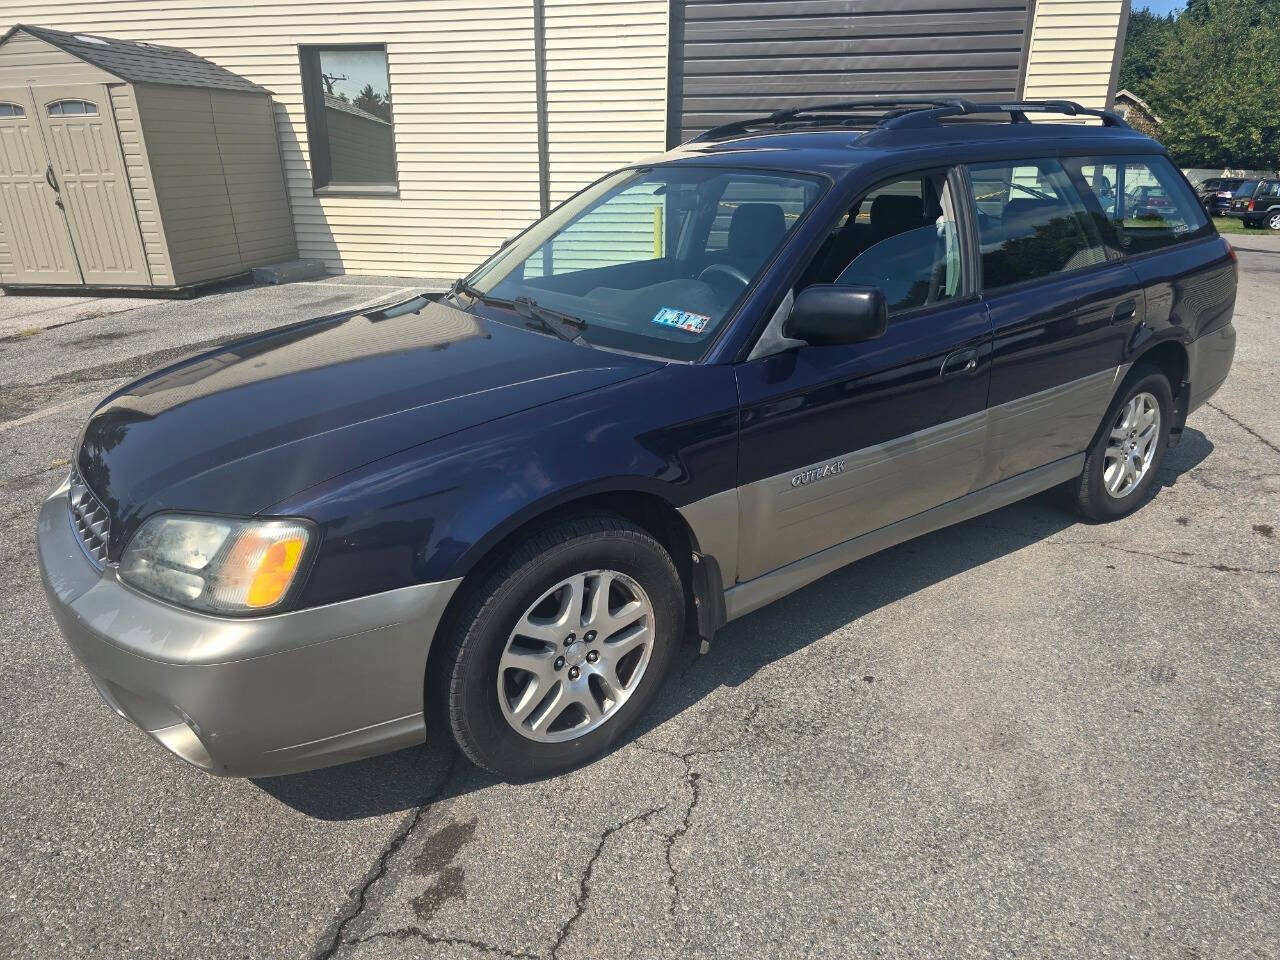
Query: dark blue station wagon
{"points": [[698, 385]]}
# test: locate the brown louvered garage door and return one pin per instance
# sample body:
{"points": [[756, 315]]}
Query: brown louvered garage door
{"points": [[738, 58]]}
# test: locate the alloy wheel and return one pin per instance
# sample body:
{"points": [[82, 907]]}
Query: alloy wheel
{"points": [[1132, 445], [1274, 221], [576, 656]]}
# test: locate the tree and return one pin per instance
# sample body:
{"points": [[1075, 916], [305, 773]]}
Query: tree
{"points": [[1147, 33], [373, 102], [1212, 77]]}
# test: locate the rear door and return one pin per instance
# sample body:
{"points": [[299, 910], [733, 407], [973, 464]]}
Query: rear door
{"points": [[1061, 311], [89, 170], [32, 212], [837, 441]]}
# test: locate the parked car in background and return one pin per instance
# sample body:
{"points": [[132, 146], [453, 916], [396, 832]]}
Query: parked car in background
{"points": [[698, 385], [1263, 209], [1215, 194], [1240, 199]]}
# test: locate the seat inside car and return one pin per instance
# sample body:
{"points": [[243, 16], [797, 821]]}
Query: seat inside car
{"points": [[755, 230]]}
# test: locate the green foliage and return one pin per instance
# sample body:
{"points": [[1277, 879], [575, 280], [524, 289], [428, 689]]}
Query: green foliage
{"points": [[1147, 33], [373, 102], [1213, 75]]}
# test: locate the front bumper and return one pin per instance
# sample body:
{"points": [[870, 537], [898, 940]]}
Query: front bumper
{"points": [[246, 697]]}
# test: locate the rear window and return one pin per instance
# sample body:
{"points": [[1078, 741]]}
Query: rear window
{"points": [[1032, 222], [1247, 188], [1146, 205]]}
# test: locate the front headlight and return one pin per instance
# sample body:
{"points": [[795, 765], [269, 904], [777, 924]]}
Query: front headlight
{"points": [[214, 564]]}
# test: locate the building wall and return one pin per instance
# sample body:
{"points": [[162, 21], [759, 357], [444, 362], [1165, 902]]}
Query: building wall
{"points": [[749, 58], [35, 61], [250, 156], [1074, 49], [141, 183], [463, 89], [195, 205]]}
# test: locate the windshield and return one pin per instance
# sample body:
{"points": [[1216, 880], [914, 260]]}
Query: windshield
{"points": [[650, 261]]}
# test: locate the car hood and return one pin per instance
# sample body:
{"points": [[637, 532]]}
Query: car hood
{"points": [[243, 426]]}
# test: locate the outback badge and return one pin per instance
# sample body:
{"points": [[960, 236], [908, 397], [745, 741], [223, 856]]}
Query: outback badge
{"points": [[813, 474]]}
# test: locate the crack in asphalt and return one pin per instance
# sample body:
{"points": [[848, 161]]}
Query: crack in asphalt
{"points": [[584, 883], [1151, 554], [379, 869], [401, 934], [1245, 427]]}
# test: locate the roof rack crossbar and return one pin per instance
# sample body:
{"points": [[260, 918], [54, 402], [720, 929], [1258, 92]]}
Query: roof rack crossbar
{"points": [[900, 113]]}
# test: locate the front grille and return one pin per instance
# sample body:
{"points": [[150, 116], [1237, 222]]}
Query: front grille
{"points": [[90, 520]]}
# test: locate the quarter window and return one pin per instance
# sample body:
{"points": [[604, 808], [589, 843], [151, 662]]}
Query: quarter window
{"points": [[350, 131], [8, 110], [902, 238], [1146, 204], [1032, 222], [69, 108]]}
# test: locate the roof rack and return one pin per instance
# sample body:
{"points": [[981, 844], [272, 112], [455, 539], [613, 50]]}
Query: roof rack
{"points": [[902, 113]]}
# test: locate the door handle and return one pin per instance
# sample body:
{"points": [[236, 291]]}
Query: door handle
{"points": [[962, 361], [1124, 311], [48, 178]]}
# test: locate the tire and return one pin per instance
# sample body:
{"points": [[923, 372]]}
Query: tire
{"points": [[1249, 224], [1273, 220], [485, 697], [1102, 496]]}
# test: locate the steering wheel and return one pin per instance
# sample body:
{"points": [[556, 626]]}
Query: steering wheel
{"points": [[731, 272]]}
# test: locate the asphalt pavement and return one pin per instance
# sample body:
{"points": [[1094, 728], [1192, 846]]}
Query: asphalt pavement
{"points": [[1024, 736]]}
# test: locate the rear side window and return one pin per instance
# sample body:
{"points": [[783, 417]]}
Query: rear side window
{"points": [[1146, 204], [1032, 222]]}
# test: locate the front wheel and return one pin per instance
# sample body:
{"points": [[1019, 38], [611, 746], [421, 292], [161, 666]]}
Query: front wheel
{"points": [[559, 649], [1121, 463]]}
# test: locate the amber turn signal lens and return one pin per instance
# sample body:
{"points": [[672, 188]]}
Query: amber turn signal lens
{"points": [[275, 572]]}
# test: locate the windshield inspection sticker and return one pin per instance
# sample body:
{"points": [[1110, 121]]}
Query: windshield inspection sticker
{"points": [[681, 320]]}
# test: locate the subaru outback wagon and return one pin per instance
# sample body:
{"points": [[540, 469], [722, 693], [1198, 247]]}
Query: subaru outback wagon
{"points": [[698, 385]]}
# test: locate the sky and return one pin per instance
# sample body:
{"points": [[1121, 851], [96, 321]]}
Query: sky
{"points": [[1158, 6]]}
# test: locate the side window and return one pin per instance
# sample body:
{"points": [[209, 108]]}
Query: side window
{"points": [[1147, 205], [346, 93], [68, 108], [1032, 222], [901, 237]]}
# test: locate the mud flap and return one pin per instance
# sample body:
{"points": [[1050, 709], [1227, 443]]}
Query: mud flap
{"points": [[708, 599]]}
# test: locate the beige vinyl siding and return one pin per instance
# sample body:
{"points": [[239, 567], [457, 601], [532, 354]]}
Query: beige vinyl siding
{"points": [[606, 87], [35, 61], [141, 184], [195, 206], [1073, 46], [255, 180], [463, 99]]}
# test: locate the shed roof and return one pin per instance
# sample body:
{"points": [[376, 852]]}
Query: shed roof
{"points": [[141, 62]]}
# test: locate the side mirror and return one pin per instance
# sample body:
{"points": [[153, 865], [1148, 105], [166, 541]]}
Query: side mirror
{"points": [[830, 313]]}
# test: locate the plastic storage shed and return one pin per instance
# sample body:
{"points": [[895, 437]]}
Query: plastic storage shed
{"points": [[133, 166]]}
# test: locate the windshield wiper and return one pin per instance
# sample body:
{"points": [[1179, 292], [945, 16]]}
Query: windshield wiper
{"points": [[475, 293], [564, 325]]}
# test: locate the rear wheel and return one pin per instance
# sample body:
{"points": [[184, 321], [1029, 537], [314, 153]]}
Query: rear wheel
{"points": [[1121, 464], [562, 647], [1273, 221]]}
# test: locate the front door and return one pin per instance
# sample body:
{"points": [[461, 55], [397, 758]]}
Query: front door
{"points": [[84, 150], [34, 220], [837, 441]]}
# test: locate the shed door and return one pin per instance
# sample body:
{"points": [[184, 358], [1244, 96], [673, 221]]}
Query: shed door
{"points": [[39, 240], [84, 148]]}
